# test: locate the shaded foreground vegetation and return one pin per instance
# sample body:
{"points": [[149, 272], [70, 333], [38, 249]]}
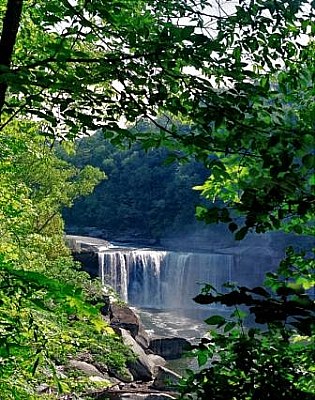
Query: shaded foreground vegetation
{"points": [[48, 306]]}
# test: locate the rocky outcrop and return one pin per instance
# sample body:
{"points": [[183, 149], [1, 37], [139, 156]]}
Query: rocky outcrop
{"points": [[169, 348], [142, 368], [166, 379], [122, 316], [85, 249], [89, 262], [145, 377]]}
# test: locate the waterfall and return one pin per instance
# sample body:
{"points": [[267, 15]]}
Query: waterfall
{"points": [[162, 279]]}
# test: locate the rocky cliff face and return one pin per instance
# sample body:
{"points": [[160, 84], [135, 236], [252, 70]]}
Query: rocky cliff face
{"points": [[85, 250], [255, 253]]}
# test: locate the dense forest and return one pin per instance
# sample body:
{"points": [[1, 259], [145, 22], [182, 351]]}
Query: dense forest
{"points": [[47, 306], [241, 76], [142, 194]]}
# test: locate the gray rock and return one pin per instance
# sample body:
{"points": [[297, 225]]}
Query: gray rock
{"points": [[122, 316], [141, 368], [142, 337], [166, 379], [170, 348], [87, 369], [158, 361]]}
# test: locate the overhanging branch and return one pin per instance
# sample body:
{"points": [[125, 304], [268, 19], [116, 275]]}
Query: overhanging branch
{"points": [[82, 60], [11, 23]]}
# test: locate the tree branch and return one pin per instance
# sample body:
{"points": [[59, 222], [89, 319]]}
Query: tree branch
{"points": [[82, 60], [11, 23], [43, 226]]}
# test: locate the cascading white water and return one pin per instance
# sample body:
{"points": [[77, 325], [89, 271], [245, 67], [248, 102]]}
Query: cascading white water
{"points": [[162, 279], [113, 270]]}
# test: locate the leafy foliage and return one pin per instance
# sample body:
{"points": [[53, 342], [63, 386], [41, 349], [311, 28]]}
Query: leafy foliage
{"points": [[46, 311], [240, 75], [143, 195], [255, 363]]}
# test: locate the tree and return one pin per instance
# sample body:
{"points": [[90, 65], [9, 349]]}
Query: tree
{"points": [[46, 301], [230, 71]]}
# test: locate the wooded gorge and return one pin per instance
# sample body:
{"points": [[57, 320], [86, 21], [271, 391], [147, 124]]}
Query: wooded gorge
{"points": [[142, 194], [240, 75]]}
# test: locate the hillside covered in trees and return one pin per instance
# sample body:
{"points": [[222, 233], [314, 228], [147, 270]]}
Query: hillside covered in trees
{"points": [[142, 194]]}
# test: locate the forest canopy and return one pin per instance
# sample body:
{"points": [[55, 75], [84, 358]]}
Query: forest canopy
{"points": [[145, 194], [241, 75]]}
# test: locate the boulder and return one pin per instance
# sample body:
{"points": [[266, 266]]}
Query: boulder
{"points": [[121, 316], [166, 379], [158, 361], [141, 368], [94, 374], [142, 337], [169, 348], [86, 368], [123, 375]]}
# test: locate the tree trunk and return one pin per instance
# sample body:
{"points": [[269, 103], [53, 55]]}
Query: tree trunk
{"points": [[11, 23]]}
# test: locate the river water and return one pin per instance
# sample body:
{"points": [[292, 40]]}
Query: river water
{"points": [[188, 324]]}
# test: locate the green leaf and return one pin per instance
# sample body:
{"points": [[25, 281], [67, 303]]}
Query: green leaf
{"points": [[309, 161], [311, 180], [239, 235], [229, 326], [215, 320], [186, 32], [298, 229], [202, 357]]}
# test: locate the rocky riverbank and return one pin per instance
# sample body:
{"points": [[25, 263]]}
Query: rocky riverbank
{"points": [[145, 376]]}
